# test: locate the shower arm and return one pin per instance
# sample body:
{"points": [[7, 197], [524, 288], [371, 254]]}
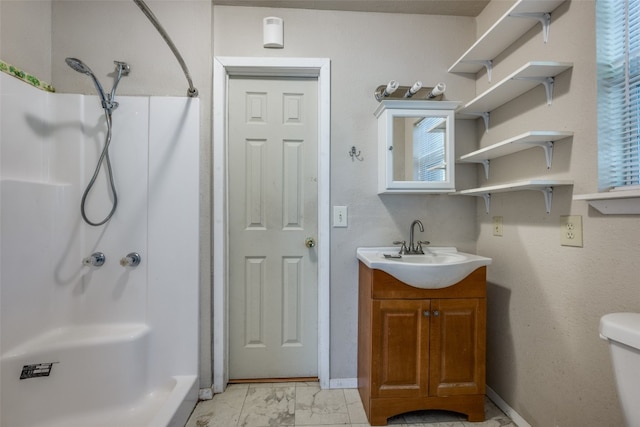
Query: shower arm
{"points": [[192, 92]]}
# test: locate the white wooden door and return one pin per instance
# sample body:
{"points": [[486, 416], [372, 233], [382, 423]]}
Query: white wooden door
{"points": [[273, 277]]}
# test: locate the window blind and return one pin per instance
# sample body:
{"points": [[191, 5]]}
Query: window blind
{"points": [[618, 57], [428, 150]]}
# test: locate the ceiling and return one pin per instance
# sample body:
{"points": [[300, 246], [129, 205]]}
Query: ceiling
{"points": [[425, 7]]}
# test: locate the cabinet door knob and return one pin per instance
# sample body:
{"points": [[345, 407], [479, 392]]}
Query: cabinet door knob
{"points": [[426, 313], [436, 313]]}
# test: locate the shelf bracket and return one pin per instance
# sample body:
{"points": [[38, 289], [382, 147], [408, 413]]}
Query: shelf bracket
{"points": [[548, 152], [543, 17], [485, 118], [547, 146], [548, 195], [487, 201], [547, 82], [546, 191], [485, 164], [487, 63]]}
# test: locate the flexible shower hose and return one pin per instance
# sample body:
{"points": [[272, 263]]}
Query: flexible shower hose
{"points": [[104, 155]]}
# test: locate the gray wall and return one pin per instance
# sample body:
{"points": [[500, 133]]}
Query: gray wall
{"points": [[25, 36], [545, 357], [366, 50]]}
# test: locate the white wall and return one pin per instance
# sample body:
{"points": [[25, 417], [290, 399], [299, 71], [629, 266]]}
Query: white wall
{"points": [[39, 211], [545, 300]]}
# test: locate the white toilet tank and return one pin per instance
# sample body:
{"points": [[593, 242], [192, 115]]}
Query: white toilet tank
{"points": [[622, 330]]}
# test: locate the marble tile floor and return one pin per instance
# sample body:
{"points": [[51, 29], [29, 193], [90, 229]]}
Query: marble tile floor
{"points": [[305, 404]]}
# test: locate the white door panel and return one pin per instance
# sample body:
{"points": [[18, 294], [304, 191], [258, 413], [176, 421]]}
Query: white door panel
{"points": [[272, 210]]}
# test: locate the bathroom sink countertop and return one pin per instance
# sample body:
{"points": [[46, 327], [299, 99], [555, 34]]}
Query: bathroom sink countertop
{"points": [[438, 267]]}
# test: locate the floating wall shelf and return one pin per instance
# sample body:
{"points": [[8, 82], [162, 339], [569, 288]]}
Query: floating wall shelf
{"points": [[521, 17], [522, 80], [535, 138], [545, 186], [614, 202]]}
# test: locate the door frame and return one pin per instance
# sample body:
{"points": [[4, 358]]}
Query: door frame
{"points": [[223, 68]]}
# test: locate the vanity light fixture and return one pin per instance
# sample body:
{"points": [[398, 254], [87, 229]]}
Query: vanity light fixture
{"points": [[393, 90], [413, 89], [385, 91], [437, 91]]}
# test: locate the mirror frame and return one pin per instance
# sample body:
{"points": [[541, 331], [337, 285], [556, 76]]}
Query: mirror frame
{"points": [[385, 113]]}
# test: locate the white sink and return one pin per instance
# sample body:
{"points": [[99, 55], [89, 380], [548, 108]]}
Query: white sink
{"points": [[439, 267]]}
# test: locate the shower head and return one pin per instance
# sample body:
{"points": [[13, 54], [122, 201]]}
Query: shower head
{"points": [[79, 66], [83, 68]]}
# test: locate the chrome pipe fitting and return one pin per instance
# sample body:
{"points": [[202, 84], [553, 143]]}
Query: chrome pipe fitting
{"points": [[132, 259], [96, 259]]}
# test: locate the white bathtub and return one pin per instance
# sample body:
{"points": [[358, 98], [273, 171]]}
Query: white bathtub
{"points": [[99, 378]]}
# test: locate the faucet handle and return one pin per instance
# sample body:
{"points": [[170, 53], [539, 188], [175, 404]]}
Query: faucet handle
{"points": [[132, 259], [403, 246], [419, 244], [96, 259]]}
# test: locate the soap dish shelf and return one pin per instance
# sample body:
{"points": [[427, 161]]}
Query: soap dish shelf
{"points": [[544, 186]]}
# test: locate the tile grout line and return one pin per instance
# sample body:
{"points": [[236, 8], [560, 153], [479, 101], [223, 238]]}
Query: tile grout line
{"points": [[244, 400]]}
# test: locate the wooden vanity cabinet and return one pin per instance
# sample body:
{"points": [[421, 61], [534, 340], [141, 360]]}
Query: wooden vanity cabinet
{"points": [[421, 348]]}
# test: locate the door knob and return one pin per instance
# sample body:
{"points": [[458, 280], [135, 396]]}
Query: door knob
{"points": [[310, 242]]}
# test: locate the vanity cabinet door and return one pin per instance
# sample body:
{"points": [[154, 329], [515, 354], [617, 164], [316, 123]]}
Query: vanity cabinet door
{"points": [[400, 344], [458, 347]]}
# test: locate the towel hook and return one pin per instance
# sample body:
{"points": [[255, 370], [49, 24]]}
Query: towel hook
{"points": [[355, 154]]}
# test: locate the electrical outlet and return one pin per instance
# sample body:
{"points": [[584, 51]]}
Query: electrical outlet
{"points": [[571, 230], [497, 226], [339, 216]]}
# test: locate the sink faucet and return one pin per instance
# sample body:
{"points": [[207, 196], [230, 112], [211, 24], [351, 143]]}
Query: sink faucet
{"points": [[412, 249]]}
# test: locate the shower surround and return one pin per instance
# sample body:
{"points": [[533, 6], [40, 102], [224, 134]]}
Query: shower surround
{"points": [[109, 345]]}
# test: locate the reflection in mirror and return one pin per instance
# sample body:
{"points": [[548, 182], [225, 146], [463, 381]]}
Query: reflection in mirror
{"points": [[419, 148]]}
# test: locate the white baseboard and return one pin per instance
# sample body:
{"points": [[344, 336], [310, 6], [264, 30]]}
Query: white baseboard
{"points": [[343, 383], [511, 413]]}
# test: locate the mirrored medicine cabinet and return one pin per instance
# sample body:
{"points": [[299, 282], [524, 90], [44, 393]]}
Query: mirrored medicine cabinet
{"points": [[416, 146]]}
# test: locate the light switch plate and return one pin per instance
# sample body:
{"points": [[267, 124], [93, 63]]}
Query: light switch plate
{"points": [[339, 216], [571, 230]]}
